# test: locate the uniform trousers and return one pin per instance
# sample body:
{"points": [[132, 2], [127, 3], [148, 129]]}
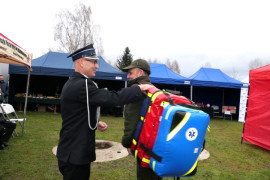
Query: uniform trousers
{"points": [[2, 132], [146, 174], [73, 171], [9, 128]]}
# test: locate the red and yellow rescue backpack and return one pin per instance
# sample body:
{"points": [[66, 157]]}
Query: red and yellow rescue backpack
{"points": [[146, 130], [153, 140]]}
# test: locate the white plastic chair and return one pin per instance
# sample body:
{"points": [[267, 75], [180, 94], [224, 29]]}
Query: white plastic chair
{"points": [[216, 110], [10, 114]]}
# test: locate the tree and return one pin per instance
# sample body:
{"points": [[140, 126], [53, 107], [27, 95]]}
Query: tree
{"points": [[168, 63], [173, 66], [75, 30], [207, 64], [153, 61], [256, 63], [98, 40], [124, 60], [234, 74]]}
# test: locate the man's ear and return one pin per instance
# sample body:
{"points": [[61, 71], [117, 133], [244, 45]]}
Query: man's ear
{"points": [[142, 73], [81, 62], [78, 64]]}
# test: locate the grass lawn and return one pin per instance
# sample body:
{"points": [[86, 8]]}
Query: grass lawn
{"points": [[30, 156]]}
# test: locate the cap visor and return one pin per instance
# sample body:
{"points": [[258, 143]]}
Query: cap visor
{"points": [[89, 58], [128, 67]]}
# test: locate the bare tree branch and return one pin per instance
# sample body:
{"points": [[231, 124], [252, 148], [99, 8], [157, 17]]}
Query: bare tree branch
{"points": [[256, 63], [234, 74], [174, 66], [75, 30], [207, 64]]}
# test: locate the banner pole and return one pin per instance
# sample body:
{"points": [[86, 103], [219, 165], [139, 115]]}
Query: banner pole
{"points": [[26, 98]]}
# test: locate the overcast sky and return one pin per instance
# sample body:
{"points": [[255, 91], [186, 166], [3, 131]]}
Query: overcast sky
{"points": [[227, 34]]}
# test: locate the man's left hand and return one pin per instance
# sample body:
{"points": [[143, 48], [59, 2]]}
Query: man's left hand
{"points": [[102, 126]]}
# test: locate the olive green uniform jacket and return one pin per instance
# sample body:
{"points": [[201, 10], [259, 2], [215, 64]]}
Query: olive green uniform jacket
{"points": [[132, 113]]}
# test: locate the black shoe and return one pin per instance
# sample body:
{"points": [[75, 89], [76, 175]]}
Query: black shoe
{"points": [[6, 144], [2, 147]]}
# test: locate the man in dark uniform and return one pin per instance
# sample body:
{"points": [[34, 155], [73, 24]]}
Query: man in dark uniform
{"points": [[80, 101], [138, 73]]}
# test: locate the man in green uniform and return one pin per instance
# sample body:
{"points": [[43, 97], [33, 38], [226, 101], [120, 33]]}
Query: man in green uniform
{"points": [[138, 73]]}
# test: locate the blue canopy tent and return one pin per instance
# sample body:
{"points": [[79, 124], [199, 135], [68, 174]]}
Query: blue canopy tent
{"points": [[164, 78], [212, 86], [57, 64], [52, 70], [211, 77], [161, 74]]}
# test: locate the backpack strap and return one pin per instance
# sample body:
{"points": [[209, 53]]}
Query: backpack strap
{"points": [[169, 98], [150, 152]]}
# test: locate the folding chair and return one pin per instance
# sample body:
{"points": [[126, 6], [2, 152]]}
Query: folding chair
{"points": [[215, 110], [10, 114]]}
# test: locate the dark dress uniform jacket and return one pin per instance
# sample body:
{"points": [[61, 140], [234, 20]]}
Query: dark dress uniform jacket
{"points": [[77, 140]]}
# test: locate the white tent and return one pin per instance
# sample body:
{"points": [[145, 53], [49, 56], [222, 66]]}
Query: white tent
{"points": [[11, 53]]}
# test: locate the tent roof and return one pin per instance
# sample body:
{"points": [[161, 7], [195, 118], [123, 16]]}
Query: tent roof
{"points": [[161, 74], [11, 53], [57, 64], [214, 78], [260, 73]]}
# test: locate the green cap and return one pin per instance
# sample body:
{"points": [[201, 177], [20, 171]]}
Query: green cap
{"points": [[138, 63]]}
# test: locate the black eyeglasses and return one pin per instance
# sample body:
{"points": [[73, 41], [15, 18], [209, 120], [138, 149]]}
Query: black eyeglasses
{"points": [[92, 60]]}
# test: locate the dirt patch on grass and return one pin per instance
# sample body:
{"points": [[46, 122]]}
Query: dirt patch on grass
{"points": [[204, 155], [106, 151], [110, 150]]}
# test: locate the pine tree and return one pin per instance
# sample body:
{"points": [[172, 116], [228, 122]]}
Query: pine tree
{"points": [[124, 60]]}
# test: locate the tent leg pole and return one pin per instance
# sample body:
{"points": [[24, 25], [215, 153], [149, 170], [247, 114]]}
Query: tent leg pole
{"points": [[223, 97], [26, 98], [191, 91], [243, 133]]}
